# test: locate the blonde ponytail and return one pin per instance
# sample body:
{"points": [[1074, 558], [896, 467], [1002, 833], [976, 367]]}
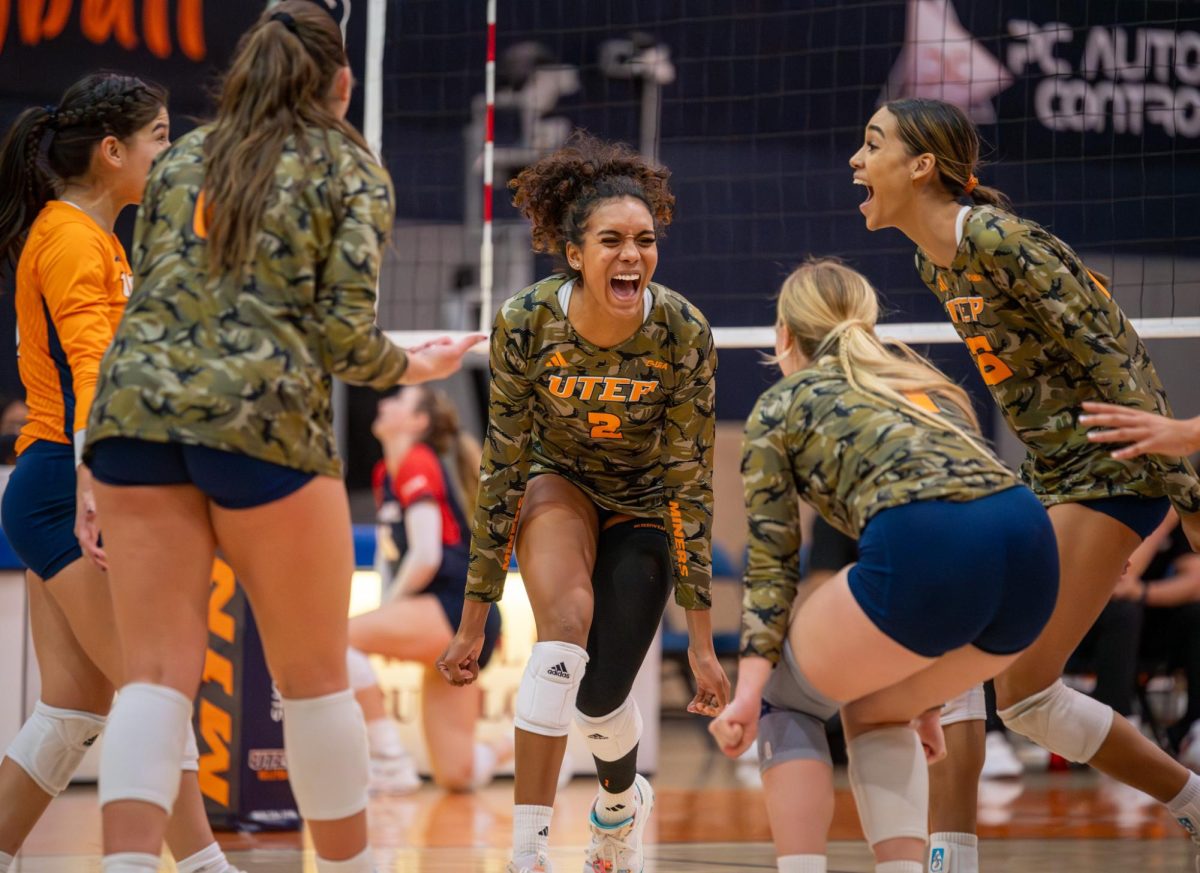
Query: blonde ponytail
{"points": [[829, 308]]}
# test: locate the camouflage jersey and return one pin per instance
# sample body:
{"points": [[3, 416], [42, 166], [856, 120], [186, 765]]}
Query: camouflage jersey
{"points": [[1047, 335], [850, 454], [244, 365], [631, 426]]}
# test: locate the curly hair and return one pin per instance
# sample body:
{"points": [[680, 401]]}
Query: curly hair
{"points": [[560, 192]]}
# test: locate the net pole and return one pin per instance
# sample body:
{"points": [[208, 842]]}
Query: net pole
{"points": [[486, 248]]}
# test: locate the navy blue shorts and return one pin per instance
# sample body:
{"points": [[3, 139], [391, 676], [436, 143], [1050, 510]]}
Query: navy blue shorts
{"points": [[229, 479], [38, 512], [1142, 515], [452, 604], [936, 575]]}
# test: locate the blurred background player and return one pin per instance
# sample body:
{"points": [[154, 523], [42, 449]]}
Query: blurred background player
{"points": [[255, 265], [72, 282], [428, 474], [1046, 336], [600, 434], [887, 449]]}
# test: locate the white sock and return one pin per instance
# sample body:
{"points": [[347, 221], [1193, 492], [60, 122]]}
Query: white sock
{"points": [[483, 768], [531, 831], [800, 863], [208, 860], [383, 739], [130, 862], [614, 808], [900, 867], [5, 861], [1185, 806], [360, 863], [951, 852]]}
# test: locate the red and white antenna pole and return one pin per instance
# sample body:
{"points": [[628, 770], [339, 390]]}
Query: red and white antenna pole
{"points": [[486, 251]]}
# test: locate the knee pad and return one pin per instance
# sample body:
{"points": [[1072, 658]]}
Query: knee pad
{"points": [[326, 742], [611, 737], [890, 782], [191, 752], [971, 705], [51, 744], [362, 674], [546, 696], [143, 749], [1061, 720]]}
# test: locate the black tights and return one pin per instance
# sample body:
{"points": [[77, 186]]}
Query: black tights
{"points": [[631, 581]]}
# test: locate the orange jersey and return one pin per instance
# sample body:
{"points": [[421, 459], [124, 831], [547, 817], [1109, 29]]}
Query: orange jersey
{"points": [[72, 283]]}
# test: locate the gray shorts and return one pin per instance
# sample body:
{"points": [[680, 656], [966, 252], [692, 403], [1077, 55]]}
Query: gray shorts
{"points": [[792, 726]]}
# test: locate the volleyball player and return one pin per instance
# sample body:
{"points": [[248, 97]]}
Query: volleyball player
{"points": [[1047, 337], [72, 281], [886, 449], [429, 472], [600, 433], [255, 264]]}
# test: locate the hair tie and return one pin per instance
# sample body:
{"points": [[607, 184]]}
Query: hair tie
{"points": [[971, 183], [288, 21], [52, 113]]}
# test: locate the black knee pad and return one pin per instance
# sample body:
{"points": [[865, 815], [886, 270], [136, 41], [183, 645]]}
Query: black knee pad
{"points": [[631, 581]]}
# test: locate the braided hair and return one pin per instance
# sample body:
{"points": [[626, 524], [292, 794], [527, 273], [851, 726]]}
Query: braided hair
{"points": [[49, 145]]}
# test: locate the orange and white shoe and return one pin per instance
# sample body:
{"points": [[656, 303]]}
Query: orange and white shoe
{"points": [[618, 848], [540, 865]]}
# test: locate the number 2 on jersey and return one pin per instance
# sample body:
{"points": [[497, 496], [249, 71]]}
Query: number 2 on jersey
{"points": [[993, 369], [605, 426]]}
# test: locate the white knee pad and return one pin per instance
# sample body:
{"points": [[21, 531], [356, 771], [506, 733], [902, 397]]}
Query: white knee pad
{"points": [[362, 674], [890, 781], [51, 744], [1061, 720], [191, 753], [971, 705], [326, 742], [546, 696], [611, 737], [143, 745]]}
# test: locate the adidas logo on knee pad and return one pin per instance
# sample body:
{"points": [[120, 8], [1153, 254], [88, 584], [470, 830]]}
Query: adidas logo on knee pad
{"points": [[597, 737], [559, 670]]}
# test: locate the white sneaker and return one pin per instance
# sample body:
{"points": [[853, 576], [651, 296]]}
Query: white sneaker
{"points": [[396, 775], [999, 761], [540, 865], [618, 848]]}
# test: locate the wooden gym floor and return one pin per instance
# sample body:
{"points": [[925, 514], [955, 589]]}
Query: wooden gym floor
{"points": [[706, 819]]}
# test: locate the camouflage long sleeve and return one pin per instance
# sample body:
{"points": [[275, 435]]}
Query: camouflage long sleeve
{"points": [[357, 350], [773, 510], [1077, 313], [689, 433], [504, 470]]}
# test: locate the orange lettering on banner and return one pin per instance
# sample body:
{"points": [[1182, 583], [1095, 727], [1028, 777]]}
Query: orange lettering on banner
{"points": [[216, 730], [220, 622], [101, 20], [190, 21]]}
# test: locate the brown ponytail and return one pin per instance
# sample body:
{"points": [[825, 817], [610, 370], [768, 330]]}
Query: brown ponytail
{"points": [[277, 86], [48, 145], [942, 130]]}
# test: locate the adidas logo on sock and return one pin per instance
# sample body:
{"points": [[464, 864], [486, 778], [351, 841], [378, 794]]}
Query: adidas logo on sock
{"points": [[1187, 825], [597, 737], [559, 670], [88, 742], [617, 808], [544, 832]]}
